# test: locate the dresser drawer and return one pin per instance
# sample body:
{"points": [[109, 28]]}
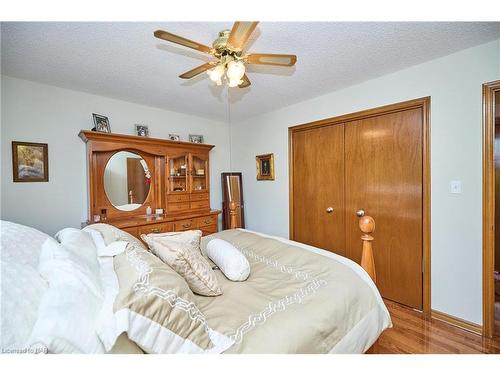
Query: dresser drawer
{"points": [[172, 207], [207, 221], [183, 225], [200, 204], [209, 230], [199, 197], [176, 198], [155, 228]]}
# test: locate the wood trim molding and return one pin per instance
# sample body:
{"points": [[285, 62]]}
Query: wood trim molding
{"points": [[461, 323], [426, 204], [386, 109], [489, 90], [87, 135], [425, 104]]}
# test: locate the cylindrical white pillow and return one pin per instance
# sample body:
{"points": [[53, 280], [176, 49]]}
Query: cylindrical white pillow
{"points": [[229, 259]]}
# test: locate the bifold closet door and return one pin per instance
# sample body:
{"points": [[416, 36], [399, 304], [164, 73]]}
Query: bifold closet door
{"points": [[318, 188], [383, 162]]}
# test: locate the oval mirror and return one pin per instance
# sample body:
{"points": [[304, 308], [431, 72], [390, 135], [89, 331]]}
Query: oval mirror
{"points": [[126, 180]]}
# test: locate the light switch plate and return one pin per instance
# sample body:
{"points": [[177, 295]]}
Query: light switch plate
{"points": [[455, 187]]}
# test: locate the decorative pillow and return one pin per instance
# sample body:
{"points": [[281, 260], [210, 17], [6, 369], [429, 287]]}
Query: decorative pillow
{"points": [[156, 309], [229, 259], [70, 307], [187, 261], [111, 234], [191, 237]]}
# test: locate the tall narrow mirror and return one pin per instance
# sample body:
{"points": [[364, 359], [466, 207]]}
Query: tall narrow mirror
{"points": [[232, 205]]}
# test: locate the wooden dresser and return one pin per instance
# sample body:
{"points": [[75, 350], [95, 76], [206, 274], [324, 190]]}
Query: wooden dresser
{"points": [[127, 174]]}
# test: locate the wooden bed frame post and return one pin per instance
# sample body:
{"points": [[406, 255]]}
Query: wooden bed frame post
{"points": [[367, 226]]}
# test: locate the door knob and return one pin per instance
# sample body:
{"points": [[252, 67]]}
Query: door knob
{"points": [[329, 210], [360, 213]]}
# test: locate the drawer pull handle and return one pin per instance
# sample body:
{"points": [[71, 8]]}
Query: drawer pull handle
{"points": [[156, 230], [186, 225], [208, 221]]}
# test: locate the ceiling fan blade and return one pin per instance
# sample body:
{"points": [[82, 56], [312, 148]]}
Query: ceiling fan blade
{"points": [[182, 41], [240, 33], [199, 69], [271, 59], [246, 82]]}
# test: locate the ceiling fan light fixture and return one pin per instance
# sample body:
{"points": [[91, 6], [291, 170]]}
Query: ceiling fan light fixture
{"points": [[234, 82], [229, 50], [216, 74], [235, 71]]}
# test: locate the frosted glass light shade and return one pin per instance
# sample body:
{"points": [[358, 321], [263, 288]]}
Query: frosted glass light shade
{"points": [[216, 73], [235, 71]]}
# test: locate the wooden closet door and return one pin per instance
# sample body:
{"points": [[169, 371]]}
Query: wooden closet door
{"points": [[383, 156], [318, 183]]}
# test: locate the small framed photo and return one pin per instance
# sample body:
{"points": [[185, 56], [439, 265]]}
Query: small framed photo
{"points": [[101, 123], [141, 130], [194, 138], [174, 137], [265, 167], [30, 162]]}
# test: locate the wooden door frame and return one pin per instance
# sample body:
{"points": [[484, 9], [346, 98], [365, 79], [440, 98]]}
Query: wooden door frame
{"points": [[425, 104], [489, 90]]}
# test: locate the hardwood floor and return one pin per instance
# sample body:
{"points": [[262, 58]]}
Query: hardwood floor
{"points": [[414, 334]]}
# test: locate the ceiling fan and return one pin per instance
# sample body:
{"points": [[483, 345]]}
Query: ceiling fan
{"points": [[228, 49]]}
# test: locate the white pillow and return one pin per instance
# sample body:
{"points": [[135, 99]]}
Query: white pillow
{"points": [[229, 259], [80, 244], [70, 308], [22, 285], [111, 234], [56, 258]]}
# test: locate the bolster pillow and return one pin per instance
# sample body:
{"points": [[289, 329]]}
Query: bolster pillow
{"points": [[229, 259]]}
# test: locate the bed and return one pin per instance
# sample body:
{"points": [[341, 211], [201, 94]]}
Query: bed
{"points": [[297, 299]]}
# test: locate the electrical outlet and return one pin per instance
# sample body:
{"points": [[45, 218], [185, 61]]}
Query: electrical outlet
{"points": [[455, 187]]}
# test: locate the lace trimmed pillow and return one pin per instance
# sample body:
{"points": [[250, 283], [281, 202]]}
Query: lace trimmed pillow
{"points": [[186, 259], [190, 237]]}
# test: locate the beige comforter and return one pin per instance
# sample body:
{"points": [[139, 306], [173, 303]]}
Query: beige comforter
{"points": [[295, 300]]}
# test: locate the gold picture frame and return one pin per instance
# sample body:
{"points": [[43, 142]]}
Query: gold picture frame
{"points": [[265, 167], [30, 162]]}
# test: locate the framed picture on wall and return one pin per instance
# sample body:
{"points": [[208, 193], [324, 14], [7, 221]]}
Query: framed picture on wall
{"points": [[265, 167], [30, 162]]}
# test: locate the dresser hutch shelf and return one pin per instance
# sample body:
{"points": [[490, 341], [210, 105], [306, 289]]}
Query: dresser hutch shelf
{"points": [[179, 184]]}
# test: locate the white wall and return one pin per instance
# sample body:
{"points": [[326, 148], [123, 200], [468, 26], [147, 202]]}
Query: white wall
{"points": [[454, 84], [41, 113]]}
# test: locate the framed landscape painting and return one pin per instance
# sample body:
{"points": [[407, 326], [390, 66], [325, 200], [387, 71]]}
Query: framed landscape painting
{"points": [[30, 162]]}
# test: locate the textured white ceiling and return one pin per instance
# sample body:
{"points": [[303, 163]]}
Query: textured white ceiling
{"points": [[124, 60]]}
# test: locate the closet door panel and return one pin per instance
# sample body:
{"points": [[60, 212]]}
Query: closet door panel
{"points": [[383, 161], [318, 184]]}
